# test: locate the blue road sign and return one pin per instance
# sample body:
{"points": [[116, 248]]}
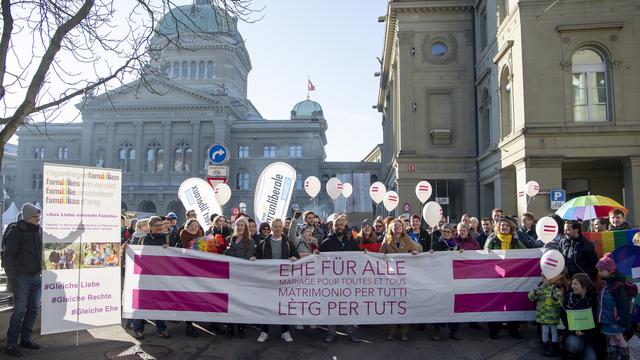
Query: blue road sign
{"points": [[557, 198], [218, 154]]}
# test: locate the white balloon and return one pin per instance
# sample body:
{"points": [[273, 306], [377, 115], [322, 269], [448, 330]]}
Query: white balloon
{"points": [[390, 200], [196, 194], [432, 213], [552, 263], [334, 187], [546, 229], [223, 193], [377, 191], [312, 186], [423, 191], [347, 190], [532, 188]]}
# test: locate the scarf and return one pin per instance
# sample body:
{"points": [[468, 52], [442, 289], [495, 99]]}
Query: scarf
{"points": [[505, 241]]}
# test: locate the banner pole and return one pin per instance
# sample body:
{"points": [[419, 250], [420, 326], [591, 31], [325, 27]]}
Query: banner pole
{"points": [[79, 257]]}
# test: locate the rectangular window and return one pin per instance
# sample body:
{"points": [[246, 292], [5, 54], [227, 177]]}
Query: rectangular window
{"points": [[295, 151], [269, 151], [483, 28], [589, 96], [243, 151], [242, 181]]}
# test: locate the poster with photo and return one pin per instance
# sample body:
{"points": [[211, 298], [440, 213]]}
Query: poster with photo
{"points": [[81, 250]]}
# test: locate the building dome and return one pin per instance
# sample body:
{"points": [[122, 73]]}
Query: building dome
{"points": [[200, 17], [307, 109]]}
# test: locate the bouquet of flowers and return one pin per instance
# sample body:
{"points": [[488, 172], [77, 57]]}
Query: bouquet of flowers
{"points": [[211, 243]]}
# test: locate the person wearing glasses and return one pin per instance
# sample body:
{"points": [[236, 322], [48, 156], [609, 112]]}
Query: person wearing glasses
{"points": [[446, 242], [378, 228], [155, 237], [263, 231]]}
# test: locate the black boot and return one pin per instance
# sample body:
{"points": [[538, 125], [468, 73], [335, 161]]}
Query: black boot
{"points": [[555, 350], [546, 349]]}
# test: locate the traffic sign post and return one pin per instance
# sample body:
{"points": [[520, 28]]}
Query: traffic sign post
{"points": [[218, 154], [557, 198]]}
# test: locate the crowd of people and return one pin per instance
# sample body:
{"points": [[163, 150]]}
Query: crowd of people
{"points": [[306, 233]]}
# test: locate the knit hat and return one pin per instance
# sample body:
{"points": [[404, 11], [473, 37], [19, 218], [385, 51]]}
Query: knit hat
{"points": [[366, 222], [172, 216], [29, 210], [264, 225], [607, 263]]}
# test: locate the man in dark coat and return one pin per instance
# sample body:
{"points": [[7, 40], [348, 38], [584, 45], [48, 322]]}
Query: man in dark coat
{"points": [[22, 264], [579, 253], [340, 240]]}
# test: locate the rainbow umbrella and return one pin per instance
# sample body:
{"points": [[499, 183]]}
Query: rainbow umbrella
{"points": [[589, 207]]}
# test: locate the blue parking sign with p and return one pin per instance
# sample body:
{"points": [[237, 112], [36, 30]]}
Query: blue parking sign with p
{"points": [[557, 198]]}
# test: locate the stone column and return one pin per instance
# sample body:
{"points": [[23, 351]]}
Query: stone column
{"points": [[470, 203], [505, 191], [140, 155], [405, 93], [169, 152], [632, 189], [111, 147], [548, 173], [196, 155], [86, 148]]}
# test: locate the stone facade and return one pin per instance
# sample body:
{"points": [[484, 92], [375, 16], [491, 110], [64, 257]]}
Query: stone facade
{"points": [[158, 130], [553, 93]]}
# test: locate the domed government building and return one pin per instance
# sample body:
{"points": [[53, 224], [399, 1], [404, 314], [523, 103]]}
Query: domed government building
{"points": [[158, 129]]}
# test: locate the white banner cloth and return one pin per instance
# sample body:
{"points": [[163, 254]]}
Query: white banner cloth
{"points": [[331, 288]]}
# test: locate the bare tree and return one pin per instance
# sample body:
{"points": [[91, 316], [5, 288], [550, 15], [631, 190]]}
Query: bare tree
{"points": [[46, 45]]}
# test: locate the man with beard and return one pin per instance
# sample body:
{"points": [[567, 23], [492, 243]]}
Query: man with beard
{"points": [[340, 240]]}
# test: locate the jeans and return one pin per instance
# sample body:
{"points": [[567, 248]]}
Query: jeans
{"points": [[26, 298], [138, 325], [546, 329]]}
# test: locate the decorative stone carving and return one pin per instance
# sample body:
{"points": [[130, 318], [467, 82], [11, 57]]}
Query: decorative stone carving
{"points": [[566, 65], [406, 37], [449, 41]]}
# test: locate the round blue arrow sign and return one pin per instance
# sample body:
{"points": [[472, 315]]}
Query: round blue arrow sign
{"points": [[218, 154]]}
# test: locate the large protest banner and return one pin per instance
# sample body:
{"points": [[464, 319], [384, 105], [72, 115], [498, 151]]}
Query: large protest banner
{"points": [[331, 288], [81, 235]]}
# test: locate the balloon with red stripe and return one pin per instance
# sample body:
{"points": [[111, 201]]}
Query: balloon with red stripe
{"points": [[312, 186], [547, 229], [391, 200], [552, 263], [423, 191], [377, 191]]}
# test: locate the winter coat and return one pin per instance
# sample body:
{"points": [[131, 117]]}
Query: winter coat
{"points": [[186, 237], [440, 244], [623, 226], [482, 239], [424, 239], [333, 244], [135, 238], [493, 243], [156, 239], [303, 247], [23, 250], [468, 243], [548, 301], [263, 250], [576, 302], [579, 256], [405, 247], [242, 249], [614, 303]]}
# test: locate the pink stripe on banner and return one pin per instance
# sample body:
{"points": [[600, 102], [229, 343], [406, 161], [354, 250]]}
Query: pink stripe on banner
{"points": [[180, 301], [516, 301], [495, 269], [180, 266]]}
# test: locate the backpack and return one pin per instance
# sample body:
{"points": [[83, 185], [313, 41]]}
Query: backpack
{"points": [[9, 228], [632, 291]]}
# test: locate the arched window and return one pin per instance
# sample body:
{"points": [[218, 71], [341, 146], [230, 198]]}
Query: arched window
{"points": [[185, 70], [154, 158], [299, 180], [126, 157], [201, 70], [193, 70], [38, 152], [176, 69], [209, 69], [485, 116], [100, 158], [242, 180], [182, 157], [506, 108], [63, 153], [590, 86], [147, 206]]}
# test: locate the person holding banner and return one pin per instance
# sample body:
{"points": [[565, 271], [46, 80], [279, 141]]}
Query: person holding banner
{"points": [[397, 241], [276, 246], [367, 238], [504, 237], [579, 314], [340, 240], [156, 237], [21, 261]]}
